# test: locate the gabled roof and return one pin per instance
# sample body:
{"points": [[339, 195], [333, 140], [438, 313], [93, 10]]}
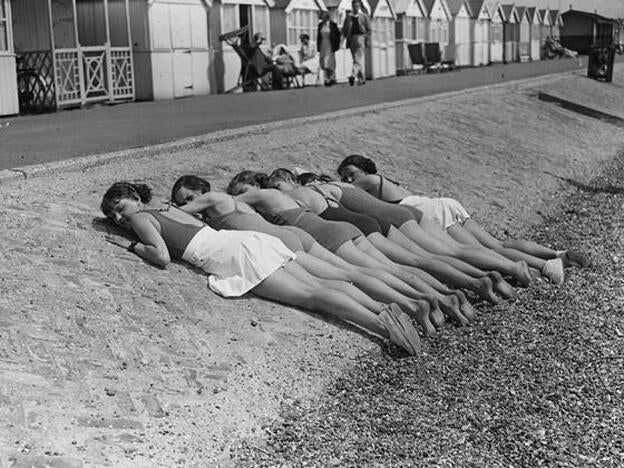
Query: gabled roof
{"points": [[476, 6], [332, 3], [508, 10], [429, 6], [284, 4], [554, 16], [588, 15], [401, 6], [532, 11], [374, 3], [455, 6], [545, 15]]}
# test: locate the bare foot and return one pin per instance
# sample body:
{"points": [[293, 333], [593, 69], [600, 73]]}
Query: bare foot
{"points": [[486, 291], [501, 286], [451, 307], [436, 316], [420, 311], [522, 274]]}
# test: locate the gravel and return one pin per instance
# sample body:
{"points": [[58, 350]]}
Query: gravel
{"points": [[534, 382]]}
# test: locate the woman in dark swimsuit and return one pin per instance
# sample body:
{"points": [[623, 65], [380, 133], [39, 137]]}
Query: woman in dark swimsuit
{"points": [[450, 216], [240, 262]]}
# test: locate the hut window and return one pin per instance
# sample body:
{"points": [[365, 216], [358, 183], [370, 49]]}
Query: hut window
{"points": [[228, 13], [299, 22], [261, 22], [4, 26]]}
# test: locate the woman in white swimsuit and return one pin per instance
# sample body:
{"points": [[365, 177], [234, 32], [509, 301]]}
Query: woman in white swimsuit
{"points": [[243, 261]]}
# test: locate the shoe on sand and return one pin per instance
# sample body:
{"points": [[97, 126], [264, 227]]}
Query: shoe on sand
{"points": [[575, 259], [400, 328], [553, 270]]}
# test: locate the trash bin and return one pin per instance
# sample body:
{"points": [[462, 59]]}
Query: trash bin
{"points": [[600, 63]]}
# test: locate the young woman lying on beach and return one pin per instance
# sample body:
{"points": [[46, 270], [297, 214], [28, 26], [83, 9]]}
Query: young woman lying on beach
{"points": [[241, 261], [382, 223], [449, 215], [343, 239], [358, 200], [221, 211]]}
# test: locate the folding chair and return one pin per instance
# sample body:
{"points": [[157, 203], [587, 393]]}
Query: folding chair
{"points": [[433, 57], [254, 64], [417, 57]]}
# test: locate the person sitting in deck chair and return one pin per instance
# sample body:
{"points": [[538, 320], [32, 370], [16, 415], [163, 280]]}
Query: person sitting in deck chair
{"points": [[264, 63]]}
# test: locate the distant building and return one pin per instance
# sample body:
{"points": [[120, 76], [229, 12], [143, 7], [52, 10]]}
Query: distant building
{"points": [[582, 29]]}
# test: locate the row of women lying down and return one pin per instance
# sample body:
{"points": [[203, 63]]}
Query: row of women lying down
{"points": [[364, 250]]}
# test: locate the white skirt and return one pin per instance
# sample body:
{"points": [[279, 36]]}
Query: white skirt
{"points": [[444, 212], [237, 261]]}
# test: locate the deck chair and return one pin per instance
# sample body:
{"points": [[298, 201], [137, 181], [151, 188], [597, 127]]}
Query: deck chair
{"points": [[255, 66], [433, 57], [417, 57], [292, 70]]}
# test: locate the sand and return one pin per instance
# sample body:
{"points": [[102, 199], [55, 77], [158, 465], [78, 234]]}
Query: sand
{"points": [[105, 359]]}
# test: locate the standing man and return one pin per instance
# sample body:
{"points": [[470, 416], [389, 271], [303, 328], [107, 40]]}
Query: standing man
{"points": [[357, 30]]}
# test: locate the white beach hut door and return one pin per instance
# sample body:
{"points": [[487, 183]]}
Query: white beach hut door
{"points": [[182, 48]]}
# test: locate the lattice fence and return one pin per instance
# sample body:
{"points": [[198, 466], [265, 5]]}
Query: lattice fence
{"points": [[122, 74], [68, 76], [35, 81]]}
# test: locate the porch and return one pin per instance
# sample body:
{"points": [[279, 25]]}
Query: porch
{"points": [[72, 52]]}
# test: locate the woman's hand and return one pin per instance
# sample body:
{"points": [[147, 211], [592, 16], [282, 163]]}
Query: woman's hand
{"points": [[117, 240]]}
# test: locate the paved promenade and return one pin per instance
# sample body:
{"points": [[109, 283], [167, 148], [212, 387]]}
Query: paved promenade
{"points": [[101, 129]]}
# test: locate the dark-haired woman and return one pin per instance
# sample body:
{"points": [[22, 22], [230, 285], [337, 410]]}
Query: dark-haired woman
{"points": [[240, 261], [448, 215]]}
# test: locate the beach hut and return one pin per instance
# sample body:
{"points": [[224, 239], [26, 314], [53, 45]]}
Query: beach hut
{"points": [[481, 25], [8, 78], [231, 15], [76, 51], [410, 29], [535, 22], [460, 32], [381, 55], [170, 48], [511, 33], [556, 22], [524, 45], [439, 19], [544, 29], [582, 29], [497, 46]]}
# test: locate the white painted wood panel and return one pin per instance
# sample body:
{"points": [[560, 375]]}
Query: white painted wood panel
{"points": [[8, 86]]}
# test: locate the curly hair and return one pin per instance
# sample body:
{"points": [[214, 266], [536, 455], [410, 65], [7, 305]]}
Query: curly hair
{"points": [[120, 190], [281, 175], [365, 164], [191, 182], [257, 179]]}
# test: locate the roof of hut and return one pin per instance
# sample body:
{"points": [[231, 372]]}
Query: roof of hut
{"points": [[588, 15], [373, 5], [455, 6], [401, 6], [476, 6], [508, 10]]}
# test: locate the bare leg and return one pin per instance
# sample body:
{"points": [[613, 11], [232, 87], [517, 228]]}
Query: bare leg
{"points": [[435, 240]]}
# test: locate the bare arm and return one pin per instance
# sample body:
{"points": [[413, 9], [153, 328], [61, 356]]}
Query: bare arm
{"points": [[198, 205], [152, 246]]}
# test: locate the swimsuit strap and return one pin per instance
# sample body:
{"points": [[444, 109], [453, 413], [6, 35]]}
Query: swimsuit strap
{"points": [[327, 198], [381, 179]]}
